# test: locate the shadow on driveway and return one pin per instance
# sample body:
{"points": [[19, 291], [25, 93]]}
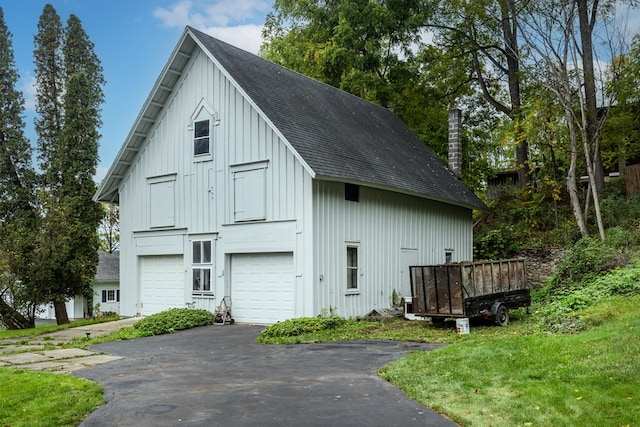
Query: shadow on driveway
{"points": [[218, 375]]}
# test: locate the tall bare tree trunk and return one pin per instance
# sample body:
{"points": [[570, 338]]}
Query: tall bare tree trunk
{"points": [[586, 21], [510, 35], [572, 186], [13, 319]]}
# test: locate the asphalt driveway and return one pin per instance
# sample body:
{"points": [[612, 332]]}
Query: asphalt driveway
{"points": [[218, 375]]}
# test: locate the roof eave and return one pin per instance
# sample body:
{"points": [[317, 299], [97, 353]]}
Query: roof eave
{"points": [[151, 109], [483, 207]]}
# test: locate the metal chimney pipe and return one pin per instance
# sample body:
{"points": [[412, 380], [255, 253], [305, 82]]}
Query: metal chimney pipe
{"points": [[455, 141]]}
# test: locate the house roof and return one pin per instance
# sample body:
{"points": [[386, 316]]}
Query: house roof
{"points": [[338, 136], [108, 267]]}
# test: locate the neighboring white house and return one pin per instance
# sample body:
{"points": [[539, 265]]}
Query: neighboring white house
{"points": [[241, 178], [106, 286], [76, 309], [106, 291]]}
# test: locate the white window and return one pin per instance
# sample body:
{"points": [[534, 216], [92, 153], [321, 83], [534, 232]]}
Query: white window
{"points": [[202, 264], [111, 295], [352, 268], [162, 201], [201, 130], [201, 138], [249, 192]]}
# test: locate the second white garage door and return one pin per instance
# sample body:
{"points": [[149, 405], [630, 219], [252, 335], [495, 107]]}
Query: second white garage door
{"points": [[262, 287], [162, 283]]}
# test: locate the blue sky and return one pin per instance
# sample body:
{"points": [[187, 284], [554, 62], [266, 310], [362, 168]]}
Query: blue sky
{"points": [[133, 39]]}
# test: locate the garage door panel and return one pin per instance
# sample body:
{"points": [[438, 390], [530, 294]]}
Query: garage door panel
{"points": [[262, 287], [162, 283]]}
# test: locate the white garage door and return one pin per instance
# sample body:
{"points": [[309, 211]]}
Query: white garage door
{"points": [[262, 287], [162, 283]]}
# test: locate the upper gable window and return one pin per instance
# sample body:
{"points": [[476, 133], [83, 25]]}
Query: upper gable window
{"points": [[201, 137], [204, 119]]}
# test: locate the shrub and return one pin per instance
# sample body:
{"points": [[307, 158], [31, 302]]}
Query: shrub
{"points": [[109, 315], [301, 325], [558, 308], [617, 210], [174, 319], [497, 243], [590, 256]]}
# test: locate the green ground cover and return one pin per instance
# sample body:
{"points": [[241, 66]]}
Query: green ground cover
{"points": [[38, 399]]}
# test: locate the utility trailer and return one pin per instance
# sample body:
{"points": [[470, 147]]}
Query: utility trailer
{"points": [[486, 289]]}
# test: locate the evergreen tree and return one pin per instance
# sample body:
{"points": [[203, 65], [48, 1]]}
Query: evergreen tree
{"points": [[50, 87], [70, 81], [18, 213], [79, 57], [72, 222]]}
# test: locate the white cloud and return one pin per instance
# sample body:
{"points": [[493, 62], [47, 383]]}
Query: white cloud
{"points": [[246, 37], [238, 22], [27, 85]]}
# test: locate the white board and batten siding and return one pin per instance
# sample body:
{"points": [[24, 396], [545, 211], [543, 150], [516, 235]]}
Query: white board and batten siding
{"points": [[169, 197], [388, 229]]}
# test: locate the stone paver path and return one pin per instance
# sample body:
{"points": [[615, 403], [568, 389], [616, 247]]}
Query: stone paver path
{"points": [[36, 353]]}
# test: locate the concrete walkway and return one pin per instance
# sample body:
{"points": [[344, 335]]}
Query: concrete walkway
{"points": [[40, 354]]}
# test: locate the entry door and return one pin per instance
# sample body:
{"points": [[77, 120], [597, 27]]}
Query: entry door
{"points": [[408, 257]]}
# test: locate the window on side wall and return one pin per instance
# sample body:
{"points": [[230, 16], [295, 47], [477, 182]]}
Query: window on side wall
{"points": [[352, 268], [201, 138], [352, 192], [202, 264], [111, 295]]}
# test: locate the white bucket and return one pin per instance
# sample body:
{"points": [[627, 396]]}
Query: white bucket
{"points": [[462, 326]]}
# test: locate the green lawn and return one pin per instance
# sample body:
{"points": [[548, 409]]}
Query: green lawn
{"points": [[33, 399], [586, 379]]}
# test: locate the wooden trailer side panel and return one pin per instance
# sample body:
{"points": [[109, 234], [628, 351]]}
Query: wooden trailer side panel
{"points": [[418, 294], [450, 289]]}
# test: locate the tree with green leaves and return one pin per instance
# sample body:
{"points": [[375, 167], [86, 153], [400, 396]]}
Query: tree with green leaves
{"points": [[109, 230], [50, 88], [620, 134], [375, 50], [19, 215], [356, 45], [69, 98], [483, 35]]}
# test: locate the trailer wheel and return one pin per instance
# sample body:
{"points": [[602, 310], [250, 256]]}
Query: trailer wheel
{"points": [[502, 315]]}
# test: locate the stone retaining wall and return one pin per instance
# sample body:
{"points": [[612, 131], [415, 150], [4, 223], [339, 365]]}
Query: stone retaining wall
{"points": [[541, 263]]}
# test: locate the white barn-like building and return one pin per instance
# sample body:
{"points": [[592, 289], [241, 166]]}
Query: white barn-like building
{"points": [[243, 179]]}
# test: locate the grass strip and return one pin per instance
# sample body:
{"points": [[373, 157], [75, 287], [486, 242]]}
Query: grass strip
{"points": [[34, 399], [584, 379]]}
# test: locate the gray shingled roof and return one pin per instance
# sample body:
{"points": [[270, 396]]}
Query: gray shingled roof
{"points": [[339, 135], [108, 267]]}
